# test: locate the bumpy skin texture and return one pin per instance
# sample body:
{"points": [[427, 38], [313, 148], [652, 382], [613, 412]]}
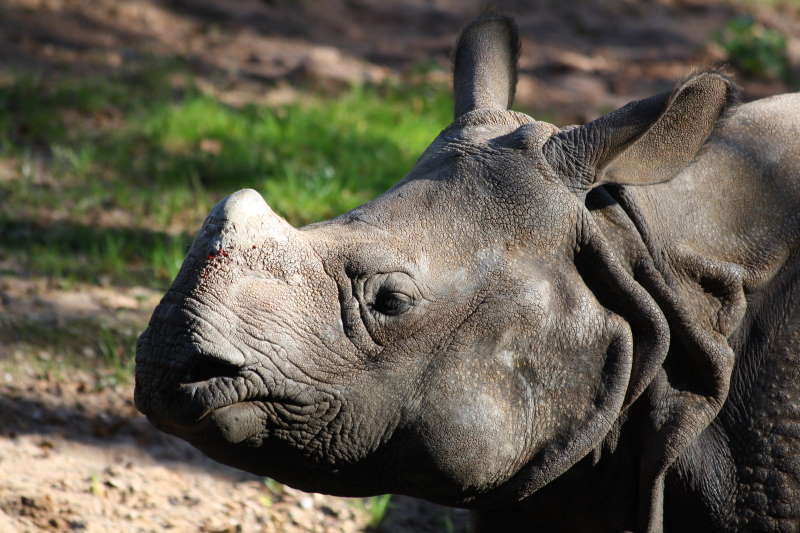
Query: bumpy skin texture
{"points": [[587, 329]]}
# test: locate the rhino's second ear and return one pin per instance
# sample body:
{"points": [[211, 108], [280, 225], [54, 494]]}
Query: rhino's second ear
{"points": [[485, 67], [645, 142]]}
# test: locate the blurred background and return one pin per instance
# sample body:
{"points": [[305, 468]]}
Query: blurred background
{"points": [[123, 121]]}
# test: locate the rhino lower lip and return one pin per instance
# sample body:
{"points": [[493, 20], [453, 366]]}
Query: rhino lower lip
{"points": [[193, 413], [237, 422]]}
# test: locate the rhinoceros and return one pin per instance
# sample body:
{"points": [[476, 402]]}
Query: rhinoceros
{"points": [[590, 328]]}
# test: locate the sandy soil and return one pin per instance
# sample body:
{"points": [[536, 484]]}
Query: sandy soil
{"points": [[76, 456]]}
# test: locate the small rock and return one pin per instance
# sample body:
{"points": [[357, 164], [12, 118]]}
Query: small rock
{"points": [[306, 503], [27, 502], [326, 510]]}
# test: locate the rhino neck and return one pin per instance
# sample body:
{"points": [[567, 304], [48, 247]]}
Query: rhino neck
{"points": [[696, 288], [724, 237], [702, 299]]}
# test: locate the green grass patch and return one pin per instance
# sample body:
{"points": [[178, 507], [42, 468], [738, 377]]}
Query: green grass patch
{"points": [[88, 344], [110, 178], [375, 507], [755, 49]]}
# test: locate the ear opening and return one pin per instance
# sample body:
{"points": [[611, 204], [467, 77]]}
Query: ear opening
{"points": [[648, 141], [485, 64]]}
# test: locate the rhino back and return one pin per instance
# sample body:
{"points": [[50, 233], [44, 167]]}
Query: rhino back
{"points": [[763, 411]]}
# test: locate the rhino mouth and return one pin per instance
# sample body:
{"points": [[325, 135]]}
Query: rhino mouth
{"points": [[253, 417], [213, 398]]}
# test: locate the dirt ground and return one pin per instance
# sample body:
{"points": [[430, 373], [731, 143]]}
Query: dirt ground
{"points": [[579, 58], [76, 456], [74, 453]]}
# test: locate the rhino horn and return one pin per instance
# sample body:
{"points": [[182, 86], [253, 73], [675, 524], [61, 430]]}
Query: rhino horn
{"points": [[241, 220]]}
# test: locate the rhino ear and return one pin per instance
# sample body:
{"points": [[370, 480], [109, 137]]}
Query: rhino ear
{"points": [[485, 68], [647, 141]]}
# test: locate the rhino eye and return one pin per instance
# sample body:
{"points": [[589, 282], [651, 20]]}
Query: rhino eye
{"points": [[391, 303]]}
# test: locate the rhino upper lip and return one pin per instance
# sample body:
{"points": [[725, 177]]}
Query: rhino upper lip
{"points": [[210, 384], [190, 405], [196, 400]]}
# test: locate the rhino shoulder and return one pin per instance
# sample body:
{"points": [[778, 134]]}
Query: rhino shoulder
{"points": [[782, 110], [768, 130]]}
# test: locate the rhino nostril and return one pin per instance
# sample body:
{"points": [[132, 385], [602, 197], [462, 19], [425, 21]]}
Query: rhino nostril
{"points": [[205, 369]]}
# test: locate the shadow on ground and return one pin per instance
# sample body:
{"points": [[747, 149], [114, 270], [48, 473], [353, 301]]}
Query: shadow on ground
{"points": [[579, 58]]}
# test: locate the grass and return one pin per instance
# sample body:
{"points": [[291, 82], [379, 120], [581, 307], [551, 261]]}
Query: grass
{"points": [[106, 180], [754, 49], [377, 507], [47, 348]]}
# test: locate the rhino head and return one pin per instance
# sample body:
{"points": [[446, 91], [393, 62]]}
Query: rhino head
{"points": [[466, 337]]}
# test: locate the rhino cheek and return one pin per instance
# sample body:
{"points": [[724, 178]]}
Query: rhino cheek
{"points": [[530, 402], [472, 427], [491, 451]]}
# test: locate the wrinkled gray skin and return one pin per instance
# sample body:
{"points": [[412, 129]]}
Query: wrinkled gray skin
{"points": [[587, 329]]}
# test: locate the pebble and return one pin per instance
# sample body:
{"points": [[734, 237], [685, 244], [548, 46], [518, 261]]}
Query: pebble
{"points": [[306, 503]]}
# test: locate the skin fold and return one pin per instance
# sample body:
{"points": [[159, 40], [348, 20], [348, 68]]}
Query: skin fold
{"points": [[579, 329]]}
